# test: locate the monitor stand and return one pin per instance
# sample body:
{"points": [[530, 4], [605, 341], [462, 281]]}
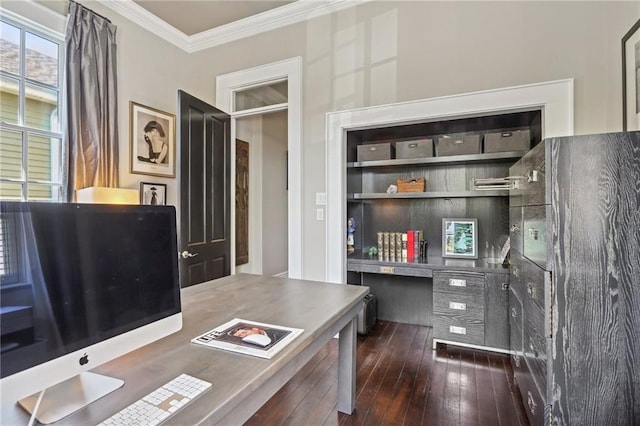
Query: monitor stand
{"points": [[69, 396]]}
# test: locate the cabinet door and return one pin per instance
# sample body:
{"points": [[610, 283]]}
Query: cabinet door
{"points": [[496, 313]]}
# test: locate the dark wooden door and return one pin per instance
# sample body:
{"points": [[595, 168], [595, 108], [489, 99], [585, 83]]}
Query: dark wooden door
{"points": [[204, 191]]}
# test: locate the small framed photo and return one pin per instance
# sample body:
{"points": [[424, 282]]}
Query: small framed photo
{"points": [[153, 194], [631, 79], [460, 238], [152, 135]]}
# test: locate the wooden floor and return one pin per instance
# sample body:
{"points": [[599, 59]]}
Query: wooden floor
{"points": [[401, 381]]}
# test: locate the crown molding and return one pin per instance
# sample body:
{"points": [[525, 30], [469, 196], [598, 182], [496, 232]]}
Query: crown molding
{"points": [[291, 13]]}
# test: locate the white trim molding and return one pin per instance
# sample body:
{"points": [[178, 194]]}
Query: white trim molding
{"points": [[292, 13], [290, 70], [554, 98]]}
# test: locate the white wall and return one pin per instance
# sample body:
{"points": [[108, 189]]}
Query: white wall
{"points": [[389, 51]]}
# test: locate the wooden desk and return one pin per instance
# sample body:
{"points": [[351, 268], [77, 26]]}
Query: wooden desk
{"points": [[241, 383]]}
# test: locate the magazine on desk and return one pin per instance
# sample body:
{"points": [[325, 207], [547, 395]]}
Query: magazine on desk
{"points": [[237, 335]]}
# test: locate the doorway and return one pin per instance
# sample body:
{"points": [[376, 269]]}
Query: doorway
{"points": [[266, 140], [270, 78]]}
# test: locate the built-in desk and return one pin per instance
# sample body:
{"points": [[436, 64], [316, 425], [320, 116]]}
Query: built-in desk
{"points": [[241, 383], [464, 300]]}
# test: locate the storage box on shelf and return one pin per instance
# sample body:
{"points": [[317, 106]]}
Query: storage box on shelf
{"points": [[418, 148], [458, 145], [518, 140], [411, 185], [375, 152]]}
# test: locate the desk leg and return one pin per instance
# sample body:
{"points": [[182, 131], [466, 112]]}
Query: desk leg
{"points": [[347, 368]]}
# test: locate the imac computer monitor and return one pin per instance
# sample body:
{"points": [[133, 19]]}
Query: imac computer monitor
{"points": [[81, 285]]}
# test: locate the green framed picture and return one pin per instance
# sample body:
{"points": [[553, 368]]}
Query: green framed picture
{"points": [[460, 238]]}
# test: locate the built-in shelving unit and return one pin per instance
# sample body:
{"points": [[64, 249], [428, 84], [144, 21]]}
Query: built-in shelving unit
{"points": [[404, 287]]}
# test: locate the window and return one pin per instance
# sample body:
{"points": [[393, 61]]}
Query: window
{"points": [[31, 138]]}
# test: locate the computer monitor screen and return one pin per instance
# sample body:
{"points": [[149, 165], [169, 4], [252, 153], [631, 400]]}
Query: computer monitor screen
{"points": [[81, 285]]}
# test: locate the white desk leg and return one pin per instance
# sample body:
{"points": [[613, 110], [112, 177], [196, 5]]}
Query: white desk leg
{"points": [[347, 368]]}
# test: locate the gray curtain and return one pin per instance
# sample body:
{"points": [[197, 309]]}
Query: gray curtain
{"points": [[92, 112]]}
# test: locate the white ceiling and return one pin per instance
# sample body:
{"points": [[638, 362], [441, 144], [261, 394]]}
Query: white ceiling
{"points": [[191, 17], [194, 25]]}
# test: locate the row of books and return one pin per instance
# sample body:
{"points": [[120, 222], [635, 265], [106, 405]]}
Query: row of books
{"points": [[402, 245]]}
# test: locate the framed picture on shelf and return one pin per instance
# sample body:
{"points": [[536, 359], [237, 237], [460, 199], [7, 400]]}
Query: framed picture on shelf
{"points": [[153, 194], [631, 79], [460, 238], [152, 137]]}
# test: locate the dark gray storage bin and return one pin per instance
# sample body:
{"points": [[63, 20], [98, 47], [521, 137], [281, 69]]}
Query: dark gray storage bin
{"points": [[518, 140], [418, 148], [375, 151], [458, 145]]}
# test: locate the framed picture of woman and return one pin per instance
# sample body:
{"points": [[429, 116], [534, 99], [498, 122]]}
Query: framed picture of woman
{"points": [[152, 140], [153, 194]]}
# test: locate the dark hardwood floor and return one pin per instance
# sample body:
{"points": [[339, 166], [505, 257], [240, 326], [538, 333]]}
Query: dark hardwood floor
{"points": [[401, 381]]}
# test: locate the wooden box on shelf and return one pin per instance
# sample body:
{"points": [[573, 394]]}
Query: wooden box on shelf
{"points": [[411, 185]]}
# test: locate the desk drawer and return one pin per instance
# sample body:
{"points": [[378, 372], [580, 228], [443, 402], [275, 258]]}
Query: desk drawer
{"points": [[459, 282], [535, 347], [516, 276], [534, 403], [515, 323], [457, 330], [533, 179], [533, 286], [535, 234], [462, 307], [515, 228]]}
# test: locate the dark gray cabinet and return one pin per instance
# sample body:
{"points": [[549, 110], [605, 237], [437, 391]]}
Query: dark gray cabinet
{"points": [[471, 309], [574, 302]]}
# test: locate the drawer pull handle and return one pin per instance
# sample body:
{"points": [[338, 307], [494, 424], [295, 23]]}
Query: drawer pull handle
{"points": [[515, 228], [514, 313], [516, 361], [531, 403], [532, 176], [516, 271], [534, 234], [531, 290], [458, 306], [457, 283], [457, 330], [387, 270]]}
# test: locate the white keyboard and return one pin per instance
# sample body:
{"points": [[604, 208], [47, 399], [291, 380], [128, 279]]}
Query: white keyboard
{"points": [[160, 404]]}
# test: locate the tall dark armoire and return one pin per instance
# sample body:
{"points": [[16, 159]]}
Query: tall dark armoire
{"points": [[575, 280]]}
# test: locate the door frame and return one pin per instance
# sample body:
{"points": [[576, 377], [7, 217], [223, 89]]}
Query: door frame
{"points": [[226, 86], [554, 98]]}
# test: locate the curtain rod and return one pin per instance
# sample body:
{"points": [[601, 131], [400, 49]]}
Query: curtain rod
{"points": [[86, 8]]}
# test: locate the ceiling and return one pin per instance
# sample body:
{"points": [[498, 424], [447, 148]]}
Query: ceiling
{"points": [[194, 25], [192, 17]]}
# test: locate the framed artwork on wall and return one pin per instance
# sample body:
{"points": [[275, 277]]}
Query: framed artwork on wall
{"points": [[631, 79], [460, 238], [153, 194], [152, 137]]}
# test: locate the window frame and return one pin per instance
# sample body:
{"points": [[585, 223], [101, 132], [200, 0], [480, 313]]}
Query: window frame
{"points": [[56, 161]]}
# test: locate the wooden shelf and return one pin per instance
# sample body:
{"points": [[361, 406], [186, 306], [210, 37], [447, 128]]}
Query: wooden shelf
{"points": [[419, 195], [436, 161]]}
